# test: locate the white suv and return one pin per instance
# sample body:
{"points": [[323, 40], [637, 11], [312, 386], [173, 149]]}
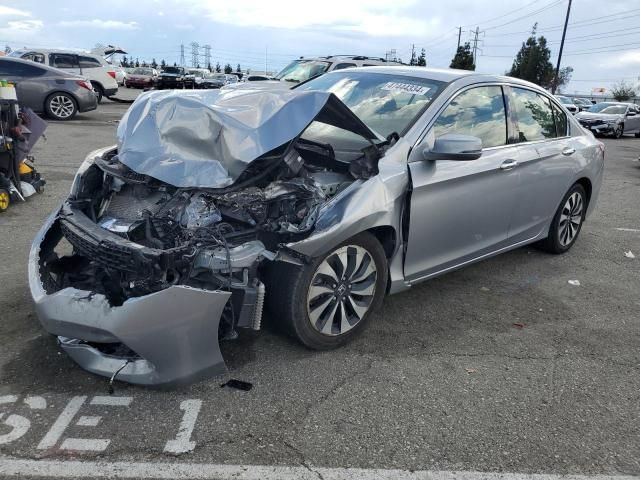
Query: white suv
{"points": [[304, 68], [93, 67]]}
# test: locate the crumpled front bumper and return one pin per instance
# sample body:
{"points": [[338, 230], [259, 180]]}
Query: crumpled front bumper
{"points": [[174, 332]]}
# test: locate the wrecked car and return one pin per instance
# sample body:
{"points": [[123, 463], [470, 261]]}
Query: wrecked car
{"points": [[311, 204]]}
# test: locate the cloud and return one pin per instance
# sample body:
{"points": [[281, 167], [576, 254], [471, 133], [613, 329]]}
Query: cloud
{"points": [[13, 12], [630, 58], [102, 24], [23, 26], [372, 17]]}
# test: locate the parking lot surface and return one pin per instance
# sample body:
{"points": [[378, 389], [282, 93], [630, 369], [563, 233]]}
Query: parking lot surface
{"points": [[503, 366]]}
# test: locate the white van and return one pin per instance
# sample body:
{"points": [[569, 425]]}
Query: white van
{"points": [[91, 66]]}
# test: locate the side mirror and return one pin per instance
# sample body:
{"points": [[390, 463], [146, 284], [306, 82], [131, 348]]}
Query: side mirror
{"points": [[631, 114], [452, 146]]}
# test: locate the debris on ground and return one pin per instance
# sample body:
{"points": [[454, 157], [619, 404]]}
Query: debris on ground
{"points": [[629, 254], [575, 283], [471, 370], [238, 385], [485, 289], [519, 325]]}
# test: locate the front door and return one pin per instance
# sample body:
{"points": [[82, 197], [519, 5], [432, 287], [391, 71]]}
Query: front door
{"points": [[461, 210]]}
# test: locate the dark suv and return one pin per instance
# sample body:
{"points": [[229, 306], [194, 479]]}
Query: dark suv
{"points": [[174, 77]]}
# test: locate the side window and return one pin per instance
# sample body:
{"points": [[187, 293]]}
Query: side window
{"points": [[19, 69], [479, 112], [63, 60], [340, 66], [535, 118], [88, 62], [34, 57], [561, 122]]}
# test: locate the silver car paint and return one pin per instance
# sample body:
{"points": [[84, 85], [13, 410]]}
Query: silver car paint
{"points": [[450, 204], [174, 330]]}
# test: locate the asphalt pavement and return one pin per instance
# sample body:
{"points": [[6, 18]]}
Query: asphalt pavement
{"points": [[503, 366]]}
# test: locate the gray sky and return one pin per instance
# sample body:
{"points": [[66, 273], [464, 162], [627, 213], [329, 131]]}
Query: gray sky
{"points": [[603, 39]]}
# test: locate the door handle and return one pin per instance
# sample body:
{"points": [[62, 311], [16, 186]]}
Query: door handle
{"points": [[568, 151], [508, 165]]}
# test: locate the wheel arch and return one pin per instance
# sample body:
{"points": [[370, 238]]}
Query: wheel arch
{"points": [[588, 187], [387, 237]]}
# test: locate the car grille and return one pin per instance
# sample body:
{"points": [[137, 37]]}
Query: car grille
{"points": [[104, 252]]}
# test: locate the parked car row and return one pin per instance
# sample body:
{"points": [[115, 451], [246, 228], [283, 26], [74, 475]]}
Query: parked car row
{"points": [[611, 118]]}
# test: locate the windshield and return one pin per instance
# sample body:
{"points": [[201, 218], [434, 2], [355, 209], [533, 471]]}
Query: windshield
{"points": [[302, 70], [385, 103], [172, 70], [609, 108], [564, 100], [142, 71]]}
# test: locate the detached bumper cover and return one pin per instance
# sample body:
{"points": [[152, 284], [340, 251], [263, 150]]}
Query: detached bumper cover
{"points": [[174, 332]]}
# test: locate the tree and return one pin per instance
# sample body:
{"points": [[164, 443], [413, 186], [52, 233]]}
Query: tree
{"points": [[218, 68], [622, 91], [7, 50], [228, 68], [414, 59], [163, 64], [238, 69], [137, 63], [564, 76], [197, 65], [209, 67], [532, 62], [154, 64], [463, 59], [422, 59], [123, 62]]}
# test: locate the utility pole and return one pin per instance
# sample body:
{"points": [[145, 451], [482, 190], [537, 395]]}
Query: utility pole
{"points": [[459, 34], [475, 44], [564, 33]]}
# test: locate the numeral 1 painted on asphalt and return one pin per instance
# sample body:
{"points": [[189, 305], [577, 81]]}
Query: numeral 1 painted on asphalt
{"points": [[183, 443]]}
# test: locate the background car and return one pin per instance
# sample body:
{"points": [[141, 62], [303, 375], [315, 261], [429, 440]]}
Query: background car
{"points": [[174, 77], [101, 74], [48, 90], [141, 77], [582, 104], [257, 78], [611, 118], [568, 104]]}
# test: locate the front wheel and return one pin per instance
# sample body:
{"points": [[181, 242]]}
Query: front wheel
{"points": [[326, 303], [567, 222], [619, 131], [61, 106]]}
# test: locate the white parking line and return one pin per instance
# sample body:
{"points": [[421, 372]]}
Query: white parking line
{"points": [[76, 469]]}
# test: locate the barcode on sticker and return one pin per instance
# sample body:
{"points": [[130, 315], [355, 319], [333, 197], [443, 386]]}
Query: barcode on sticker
{"points": [[405, 88]]}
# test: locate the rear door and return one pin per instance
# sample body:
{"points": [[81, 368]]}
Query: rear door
{"points": [[545, 161], [632, 120], [65, 61], [460, 210]]}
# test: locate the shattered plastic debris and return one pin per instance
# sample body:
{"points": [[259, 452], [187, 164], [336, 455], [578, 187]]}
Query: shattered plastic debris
{"points": [[520, 325], [200, 213], [238, 385], [471, 370], [575, 283], [629, 254], [485, 289]]}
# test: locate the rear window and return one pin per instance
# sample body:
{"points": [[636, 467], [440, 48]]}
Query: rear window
{"points": [[88, 62]]}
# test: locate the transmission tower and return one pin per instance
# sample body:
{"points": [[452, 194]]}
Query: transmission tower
{"points": [[195, 53], [207, 55], [182, 55]]}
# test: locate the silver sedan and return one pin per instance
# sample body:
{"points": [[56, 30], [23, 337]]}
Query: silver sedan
{"points": [[313, 203]]}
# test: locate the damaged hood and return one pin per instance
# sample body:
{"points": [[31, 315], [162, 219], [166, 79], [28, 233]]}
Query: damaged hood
{"points": [[206, 139]]}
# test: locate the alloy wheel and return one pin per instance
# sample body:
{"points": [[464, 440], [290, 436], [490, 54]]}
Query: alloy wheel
{"points": [[62, 106], [342, 290], [570, 219]]}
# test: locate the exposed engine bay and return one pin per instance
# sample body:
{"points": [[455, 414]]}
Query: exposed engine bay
{"points": [[133, 235]]}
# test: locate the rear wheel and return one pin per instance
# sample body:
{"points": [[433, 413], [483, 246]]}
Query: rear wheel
{"points": [[99, 91], [5, 199], [61, 106], [326, 303], [567, 222]]}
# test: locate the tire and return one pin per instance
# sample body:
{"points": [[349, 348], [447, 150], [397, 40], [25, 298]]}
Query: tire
{"points": [[637, 134], [564, 231], [99, 91], [619, 131], [5, 199], [61, 106], [314, 318]]}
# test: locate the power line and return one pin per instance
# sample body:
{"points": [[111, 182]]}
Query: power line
{"points": [[528, 15], [504, 15]]}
